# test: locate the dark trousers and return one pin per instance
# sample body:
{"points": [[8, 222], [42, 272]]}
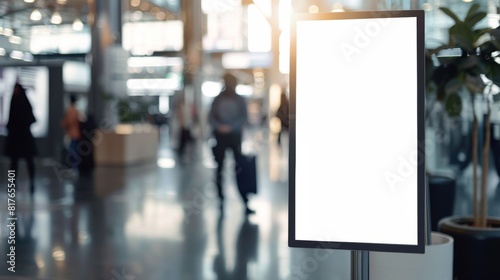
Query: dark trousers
{"points": [[14, 162], [282, 130], [75, 155], [227, 141], [184, 138]]}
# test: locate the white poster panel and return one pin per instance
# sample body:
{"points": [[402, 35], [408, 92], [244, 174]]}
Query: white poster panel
{"points": [[356, 129]]}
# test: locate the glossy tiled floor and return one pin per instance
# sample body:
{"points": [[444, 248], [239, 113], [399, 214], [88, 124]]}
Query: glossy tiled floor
{"points": [[162, 221], [159, 221]]}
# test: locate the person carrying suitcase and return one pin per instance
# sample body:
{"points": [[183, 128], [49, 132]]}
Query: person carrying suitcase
{"points": [[228, 115]]}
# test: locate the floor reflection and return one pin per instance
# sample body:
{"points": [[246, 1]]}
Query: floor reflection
{"points": [[246, 250], [158, 221]]}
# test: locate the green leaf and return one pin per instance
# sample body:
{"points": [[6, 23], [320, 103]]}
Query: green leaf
{"points": [[472, 11], [481, 36], [453, 105], [450, 14], [481, 31], [474, 19], [462, 35]]}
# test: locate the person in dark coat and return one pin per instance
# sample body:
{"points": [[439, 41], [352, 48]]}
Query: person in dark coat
{"points": [[283, 114], [20, 142]]}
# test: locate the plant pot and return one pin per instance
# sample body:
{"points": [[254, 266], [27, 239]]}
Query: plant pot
{"points": [[495, 146], [441, 198], [435, 264], [477, 250]]}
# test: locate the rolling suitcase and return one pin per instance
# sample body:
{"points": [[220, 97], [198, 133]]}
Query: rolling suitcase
{"points": [[246, 175]]}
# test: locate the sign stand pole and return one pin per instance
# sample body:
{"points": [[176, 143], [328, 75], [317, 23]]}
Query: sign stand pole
{"points": [[360, 261]]}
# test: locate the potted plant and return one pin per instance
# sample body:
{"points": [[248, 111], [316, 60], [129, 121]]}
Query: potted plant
{"points": [[476, 71], [436, 263]]}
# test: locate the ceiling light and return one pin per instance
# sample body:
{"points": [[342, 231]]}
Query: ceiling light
{"points": [[313, 9], [135, 3], [337, 8], [36, 15], [56, 18], [29, 1], [61, 2], [2, 52], [144, 6], [137, 15], [16, 55], [8, 32], [77, 24], [15, 40], [427, 7], [161, 16], [28, 57]]}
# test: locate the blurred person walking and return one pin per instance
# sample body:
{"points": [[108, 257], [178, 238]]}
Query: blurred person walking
{"points": [[71, 125], [183, 119], [227, 117], [20, 143], [283, 114]]}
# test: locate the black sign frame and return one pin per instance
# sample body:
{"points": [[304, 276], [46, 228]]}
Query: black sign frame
{"points": [[419, 102]]}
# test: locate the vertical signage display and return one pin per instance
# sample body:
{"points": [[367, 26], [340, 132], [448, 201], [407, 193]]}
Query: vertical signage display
{"points": [[357, 131]]}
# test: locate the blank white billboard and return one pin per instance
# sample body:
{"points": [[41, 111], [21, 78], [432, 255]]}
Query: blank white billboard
{"points": [[356, 153]]}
